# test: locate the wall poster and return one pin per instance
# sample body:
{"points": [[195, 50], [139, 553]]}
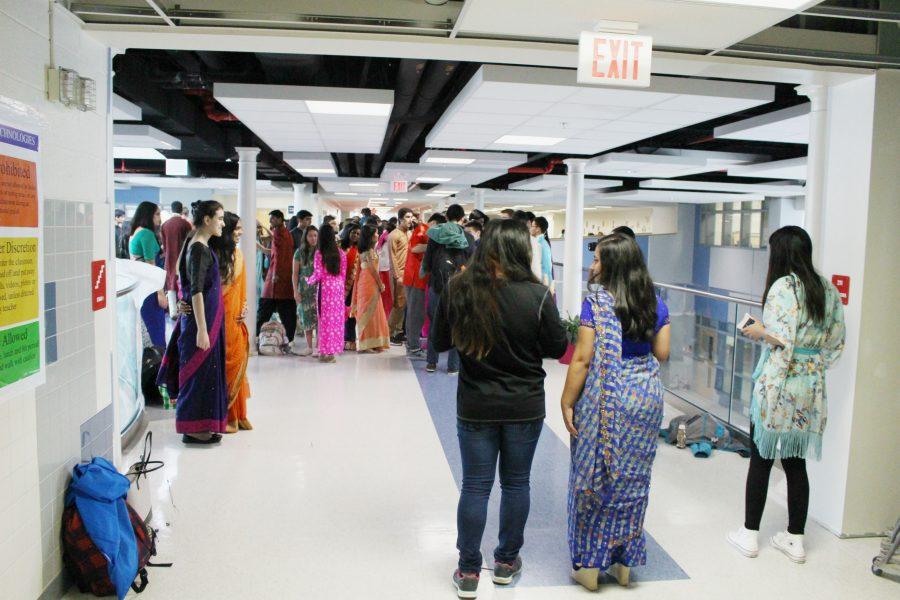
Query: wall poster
{"points": [[21, 250]]}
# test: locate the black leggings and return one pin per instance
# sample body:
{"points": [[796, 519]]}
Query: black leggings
{"points": [[758, 487]]}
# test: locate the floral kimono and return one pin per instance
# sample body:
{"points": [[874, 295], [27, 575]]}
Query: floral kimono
{"points": [[789, 408]]}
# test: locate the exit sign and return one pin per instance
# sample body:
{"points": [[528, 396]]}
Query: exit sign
{"points": [[399, 187], [614, 59]]}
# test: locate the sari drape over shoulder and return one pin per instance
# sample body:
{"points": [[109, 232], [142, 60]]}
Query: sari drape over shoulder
{"points": [[367, 307], [197, 377], [237, 340]]}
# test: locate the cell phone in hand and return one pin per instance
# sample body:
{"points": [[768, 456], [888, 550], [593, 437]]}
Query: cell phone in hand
{"points": [[747, 321]]}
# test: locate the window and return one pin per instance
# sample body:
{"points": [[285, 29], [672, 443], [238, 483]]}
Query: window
{"points": [[735, 224]]}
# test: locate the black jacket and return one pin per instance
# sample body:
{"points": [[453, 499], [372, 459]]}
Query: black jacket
{"points": [[508, 383]]}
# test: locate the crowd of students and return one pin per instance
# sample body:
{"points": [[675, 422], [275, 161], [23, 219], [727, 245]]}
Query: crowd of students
{"points": [[470, 286]]}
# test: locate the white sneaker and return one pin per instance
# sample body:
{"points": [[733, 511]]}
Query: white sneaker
{"points": [[746, 541], [305, 352], [791, 545]]}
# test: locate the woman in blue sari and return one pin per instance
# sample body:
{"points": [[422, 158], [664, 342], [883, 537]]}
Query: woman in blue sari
{"points": [[613, 407], [193, 368]]}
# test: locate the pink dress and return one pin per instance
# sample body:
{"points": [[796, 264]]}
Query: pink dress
{"points": [[331, 305]]}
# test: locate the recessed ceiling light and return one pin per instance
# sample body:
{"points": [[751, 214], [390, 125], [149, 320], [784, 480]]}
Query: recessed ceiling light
{"points": [[346, 194], [317, 171], [528, 140], [364, 185], [449, 161], [432, 179], [323, 107]]}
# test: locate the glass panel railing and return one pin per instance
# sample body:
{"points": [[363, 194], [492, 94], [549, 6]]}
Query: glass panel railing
{"points": [[711, 364]]}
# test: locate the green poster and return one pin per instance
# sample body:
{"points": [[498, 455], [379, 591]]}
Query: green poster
{"points": [[20, 353]]}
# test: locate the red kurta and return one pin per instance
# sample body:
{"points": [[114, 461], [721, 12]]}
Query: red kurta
{"points": [[174, 232], [280, 265]]}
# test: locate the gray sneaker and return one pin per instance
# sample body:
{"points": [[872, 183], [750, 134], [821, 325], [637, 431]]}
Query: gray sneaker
{"points": [[415, 354], [466, 584], [504, 572]]}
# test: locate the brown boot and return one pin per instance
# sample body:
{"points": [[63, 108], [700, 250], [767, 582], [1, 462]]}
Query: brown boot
{"points": [[245, 425]]}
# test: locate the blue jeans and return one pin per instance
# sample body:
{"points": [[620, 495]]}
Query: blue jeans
{"points": [[432, 356], [479, 445]]}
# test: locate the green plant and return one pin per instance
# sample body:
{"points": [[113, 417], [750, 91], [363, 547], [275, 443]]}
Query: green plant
{"points": [[571, 325]]}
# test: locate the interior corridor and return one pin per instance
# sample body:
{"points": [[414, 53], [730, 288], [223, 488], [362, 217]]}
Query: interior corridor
{"points": [[344, 491]]}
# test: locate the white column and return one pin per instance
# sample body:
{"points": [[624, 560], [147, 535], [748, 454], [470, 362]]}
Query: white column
{"points": [[574, 239], [816, 158], [247, 212], [479, 199]]}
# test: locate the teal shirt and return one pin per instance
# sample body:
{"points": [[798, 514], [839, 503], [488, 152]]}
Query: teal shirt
{"points": [[546, 260], [144, 245]]}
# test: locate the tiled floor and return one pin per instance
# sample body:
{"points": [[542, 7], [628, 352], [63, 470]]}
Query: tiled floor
{"points": [[344, 491]]}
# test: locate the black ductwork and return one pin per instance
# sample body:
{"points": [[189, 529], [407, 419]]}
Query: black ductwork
{"points": [[408, 76], [436, 78]]}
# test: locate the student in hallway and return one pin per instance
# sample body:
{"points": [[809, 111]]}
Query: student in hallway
{"points": [[277, 292], [802, 330], [329, 274], [174, 232], [503, 323], [399, 244]]}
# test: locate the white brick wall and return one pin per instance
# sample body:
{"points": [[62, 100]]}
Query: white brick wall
{"points": [[37, 456]]}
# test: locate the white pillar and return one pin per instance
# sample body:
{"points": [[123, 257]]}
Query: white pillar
{"points": [[574, 239], [247, 212], [479, 199], [816, 157]]}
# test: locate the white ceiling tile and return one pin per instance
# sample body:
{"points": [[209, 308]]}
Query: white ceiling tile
{"points": [[617, 97], [711, 104], [675, 118], [495, 118], [588, 111], [520, 107], [516, 91]]}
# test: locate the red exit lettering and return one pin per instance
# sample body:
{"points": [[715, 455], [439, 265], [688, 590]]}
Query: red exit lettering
{"points": [[621, 55]]}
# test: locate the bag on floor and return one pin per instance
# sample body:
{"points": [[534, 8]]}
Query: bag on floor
{"points": [[140, 494], [88, 566], [150, 363], [272, 339], [702, 433]]}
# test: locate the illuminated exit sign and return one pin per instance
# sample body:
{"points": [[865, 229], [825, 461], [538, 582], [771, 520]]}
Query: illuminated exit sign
{"points": [[614, 59], [399, 187]]}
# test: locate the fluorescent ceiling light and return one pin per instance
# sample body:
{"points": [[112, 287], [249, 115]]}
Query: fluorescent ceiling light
{"points": [[324, 107], [346, 194], [528, 140], [364, 185], [319, 171], [449, 161], [439, 194], [177, 167], [137, 153], [432, 179]]}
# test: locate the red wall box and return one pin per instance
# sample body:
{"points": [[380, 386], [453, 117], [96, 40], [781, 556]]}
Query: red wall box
{"points": [[842, 283], [98, 284]]}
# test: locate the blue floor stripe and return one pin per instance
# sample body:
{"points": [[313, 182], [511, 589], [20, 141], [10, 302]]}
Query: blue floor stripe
{"points": [[546, 553]]}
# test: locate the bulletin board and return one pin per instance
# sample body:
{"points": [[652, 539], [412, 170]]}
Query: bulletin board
{"points": [[22, 360]]}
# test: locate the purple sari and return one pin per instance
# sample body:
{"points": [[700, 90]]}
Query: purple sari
{"points": [[197, 377]]}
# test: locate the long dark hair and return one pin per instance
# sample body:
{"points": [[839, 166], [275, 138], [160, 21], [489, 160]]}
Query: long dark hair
{"points": [[624, 275], [365, 238], [328, 248], [345, 236], [503, 257], [224, 246], [790, 252], [143, 216], [307, 251]]}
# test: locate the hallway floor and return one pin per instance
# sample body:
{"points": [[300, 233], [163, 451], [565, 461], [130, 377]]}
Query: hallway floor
{"points": [[344, 490]]}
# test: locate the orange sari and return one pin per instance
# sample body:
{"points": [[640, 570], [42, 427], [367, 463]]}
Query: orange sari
{"points": [[371, 323], [237, 341]]}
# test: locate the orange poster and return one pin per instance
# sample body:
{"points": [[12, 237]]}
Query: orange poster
{"points": [[18, 193]]}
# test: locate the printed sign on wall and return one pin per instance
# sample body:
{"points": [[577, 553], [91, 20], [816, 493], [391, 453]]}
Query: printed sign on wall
{"points": [[614, 59], [21, 252]]}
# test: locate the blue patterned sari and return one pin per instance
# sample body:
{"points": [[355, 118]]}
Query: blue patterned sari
{"points": [[617, 417]]}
